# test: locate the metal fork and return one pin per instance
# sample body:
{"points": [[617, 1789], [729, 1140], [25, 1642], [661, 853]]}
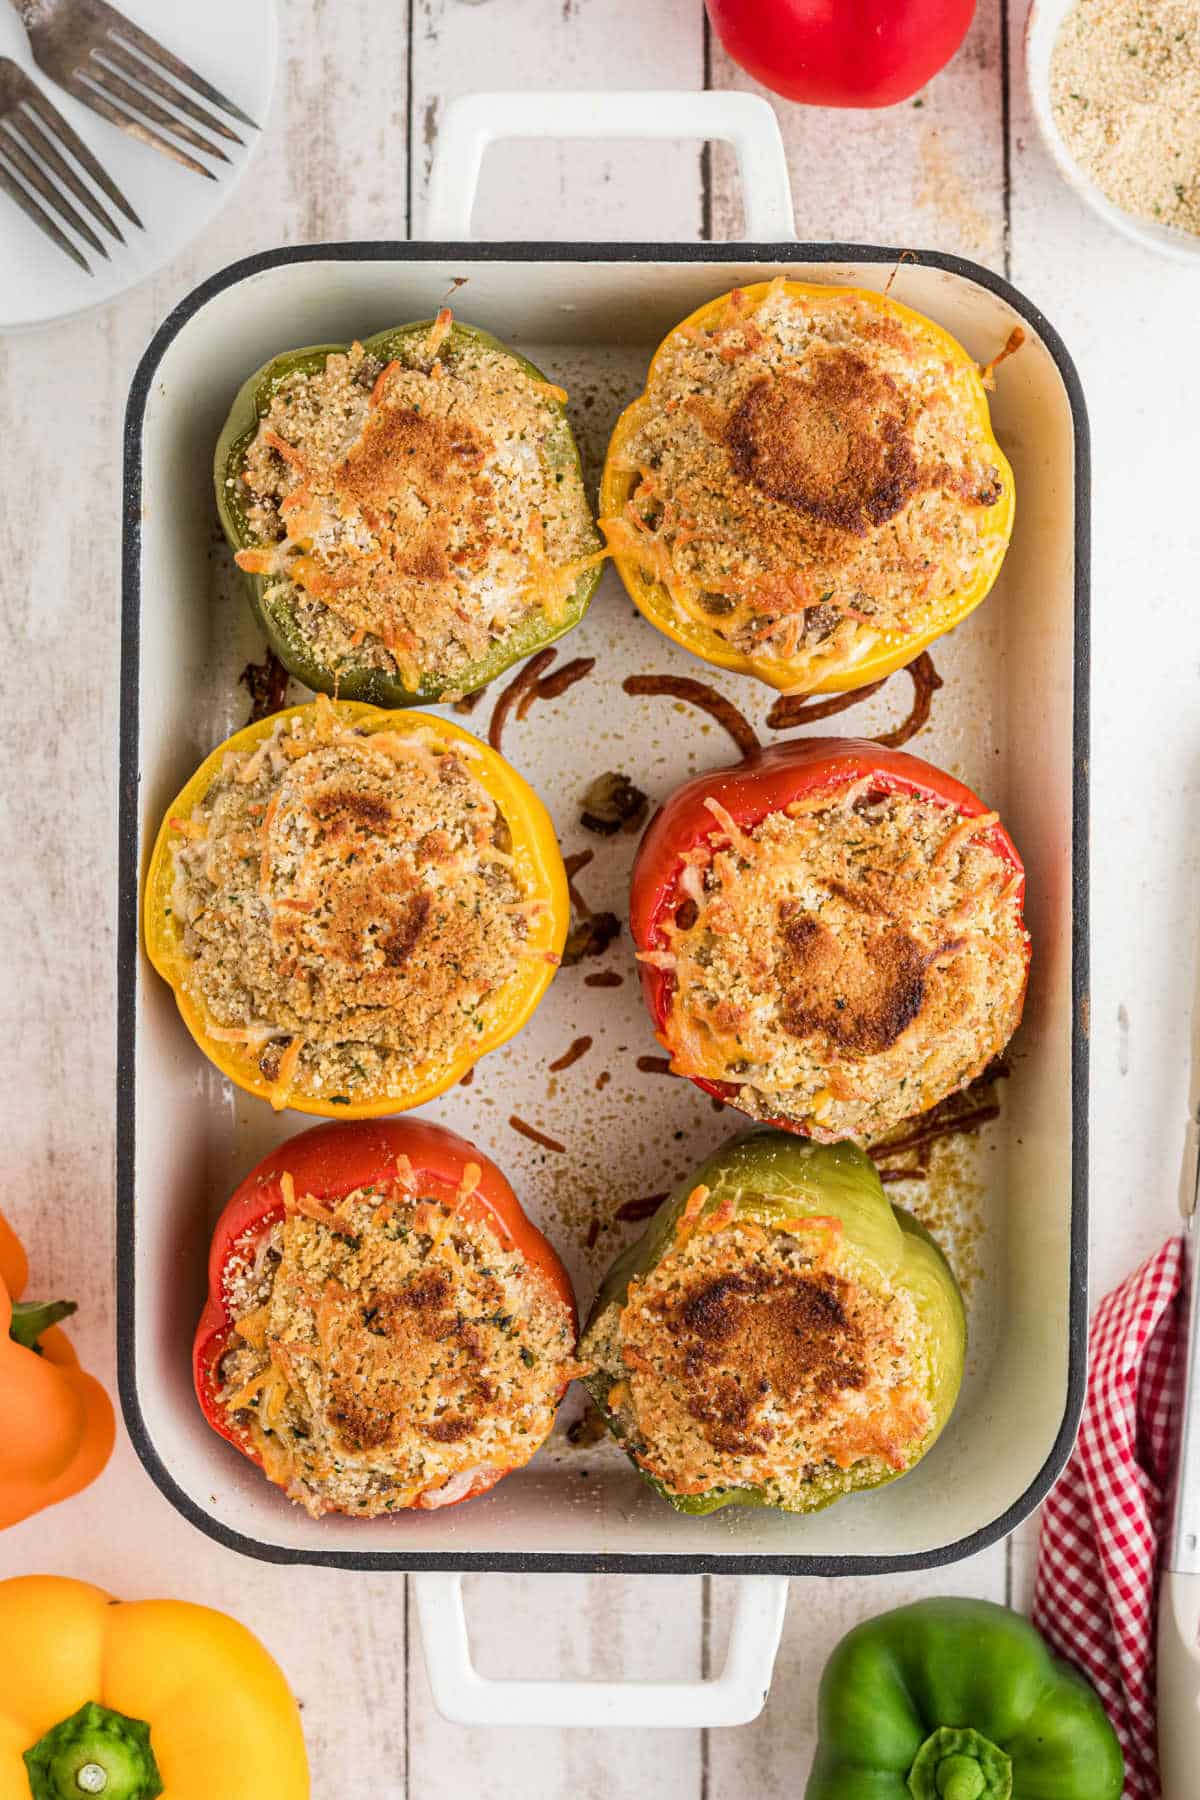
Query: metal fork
{"points": [[117, 69], [33, 136]]}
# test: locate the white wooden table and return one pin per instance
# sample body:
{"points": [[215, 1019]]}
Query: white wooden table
{"points": [[347, 154]]}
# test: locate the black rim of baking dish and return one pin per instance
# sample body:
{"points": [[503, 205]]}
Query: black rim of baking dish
{"points": [[128, 925]]}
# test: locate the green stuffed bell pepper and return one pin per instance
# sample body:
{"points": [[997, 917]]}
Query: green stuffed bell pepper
{"points": [[958, 1700], [409, 512], [780, 1336]]}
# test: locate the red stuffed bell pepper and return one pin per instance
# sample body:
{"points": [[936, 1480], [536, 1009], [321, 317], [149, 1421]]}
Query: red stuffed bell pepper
{"points": [[831, 935], [385, 1328], [842, 52]]}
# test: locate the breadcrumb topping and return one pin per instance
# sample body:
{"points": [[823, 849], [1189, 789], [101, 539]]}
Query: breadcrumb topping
{"points": [[769, 1358], [348, 903], [413, 513], [809, 475], [390, 1352], [848, 962]]}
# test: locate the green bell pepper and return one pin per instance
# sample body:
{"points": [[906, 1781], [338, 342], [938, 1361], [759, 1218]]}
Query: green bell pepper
{"points": [[958, 1700], [772, 1177], [272, 599]]}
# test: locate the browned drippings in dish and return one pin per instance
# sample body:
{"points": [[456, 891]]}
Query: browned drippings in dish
{"points": [[591, 936], [632, 1212], [926, 682], [468, 702], [955, 1116], [654, 1065], [604, 978], [571, 1055], [266, 683], [793, 709], [699, 693], [513, 693], [534, 1135], [550, 687], [574, 864], [592, 932]]}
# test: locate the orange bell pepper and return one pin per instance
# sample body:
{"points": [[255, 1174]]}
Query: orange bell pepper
{"points": [[56, 1422]]}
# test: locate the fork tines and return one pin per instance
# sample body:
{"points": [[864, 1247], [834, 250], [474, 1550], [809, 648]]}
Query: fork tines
{"points": [[34, 170], [124, 74], [120, 71]]}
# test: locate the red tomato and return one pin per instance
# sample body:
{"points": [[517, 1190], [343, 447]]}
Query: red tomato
{"points": [[330, 1162], [749, 791], [842, 52]]}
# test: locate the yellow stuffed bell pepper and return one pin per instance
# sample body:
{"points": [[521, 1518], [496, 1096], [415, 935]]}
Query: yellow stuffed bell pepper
{"points": [[808, 490], [373, 923], [56, 1422], [131, 1700]]}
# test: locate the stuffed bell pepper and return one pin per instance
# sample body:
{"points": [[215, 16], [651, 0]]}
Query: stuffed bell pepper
{"points": [[353, 906], [130, 1700], [958, 1700], [831, 935], [779, 1336], [409, 511], [56, 1421], [385, 1329], [808, 490]]}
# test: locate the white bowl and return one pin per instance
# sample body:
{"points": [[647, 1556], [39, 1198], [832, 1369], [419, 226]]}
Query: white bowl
{"points": [[1041, 30]]}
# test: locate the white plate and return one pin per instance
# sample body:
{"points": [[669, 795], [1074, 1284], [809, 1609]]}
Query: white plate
{"points": [[231, 43]]}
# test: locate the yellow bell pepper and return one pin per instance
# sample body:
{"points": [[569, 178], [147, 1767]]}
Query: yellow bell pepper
{"points": [[56, 1422], [131, 1700], [538, 868], [893, 651]]}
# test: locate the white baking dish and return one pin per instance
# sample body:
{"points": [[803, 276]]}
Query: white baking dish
{"points": [[1011, 720]]}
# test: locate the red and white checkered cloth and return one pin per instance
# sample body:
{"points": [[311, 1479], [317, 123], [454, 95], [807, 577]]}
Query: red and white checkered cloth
{"points": [[1098, 1556]]}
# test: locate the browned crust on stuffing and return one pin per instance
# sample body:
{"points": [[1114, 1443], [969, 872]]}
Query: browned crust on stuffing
{"points": [[835, 444]]}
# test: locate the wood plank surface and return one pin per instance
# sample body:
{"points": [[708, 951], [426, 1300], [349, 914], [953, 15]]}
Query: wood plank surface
{"points": [[361, 82]]}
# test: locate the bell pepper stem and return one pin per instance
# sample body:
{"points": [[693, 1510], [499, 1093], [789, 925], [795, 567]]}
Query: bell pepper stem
{"points": [[96, 1751], [960, 1764], [960, 1779], [30, 1318]]}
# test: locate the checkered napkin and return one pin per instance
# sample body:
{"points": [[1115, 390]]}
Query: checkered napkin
{"points": [[1094, 1598]]}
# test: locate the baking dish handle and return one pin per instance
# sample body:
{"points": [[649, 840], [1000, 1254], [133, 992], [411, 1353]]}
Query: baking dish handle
{"points": [[733, 1697], [745, 121]]}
